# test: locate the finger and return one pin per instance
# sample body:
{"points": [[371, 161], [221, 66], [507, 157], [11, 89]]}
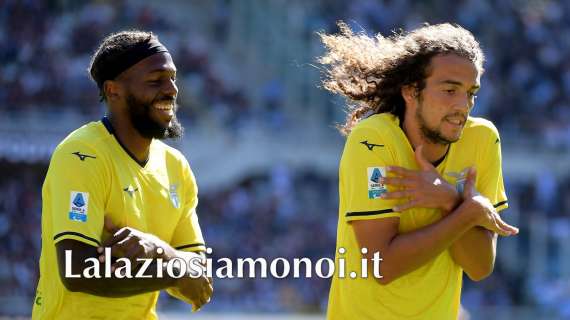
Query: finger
{"points": [[120, 248], [421, 160], [401, 171], [406, 206], [205, 296], [134, 251], [117, 251], [498, 227], [198, 303], [118, 264], [396, 194], [501, 231], [110, 226], [400, 182], [116, 237], [469, 187], [507, 227], [209, 290], [203, 301]]}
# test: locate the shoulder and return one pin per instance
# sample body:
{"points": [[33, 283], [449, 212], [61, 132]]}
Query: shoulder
{"points": [[84, 142], [83, 154], [481, 127], [481, 134], [173, 156], [379, 123], [377, 129]]}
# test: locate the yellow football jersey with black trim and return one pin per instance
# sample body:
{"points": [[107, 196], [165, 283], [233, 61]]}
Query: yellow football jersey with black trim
{"points": [[91, 175], [433, 290]]}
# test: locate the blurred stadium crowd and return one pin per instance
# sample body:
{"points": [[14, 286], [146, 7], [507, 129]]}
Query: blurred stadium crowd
{"points": [[280, 212]]}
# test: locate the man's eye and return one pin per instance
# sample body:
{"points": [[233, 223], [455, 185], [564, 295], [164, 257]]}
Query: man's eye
{"points": [[450, 91]]}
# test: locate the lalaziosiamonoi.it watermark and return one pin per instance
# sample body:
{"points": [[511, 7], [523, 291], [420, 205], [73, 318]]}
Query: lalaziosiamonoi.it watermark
{"points": [[197, 266]]}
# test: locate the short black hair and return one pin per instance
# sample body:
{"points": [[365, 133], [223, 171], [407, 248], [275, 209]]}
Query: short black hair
{"points": [[112, 46]]}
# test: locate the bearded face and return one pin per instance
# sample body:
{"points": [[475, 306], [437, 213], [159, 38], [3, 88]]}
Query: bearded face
{"points": [[155, 119]]}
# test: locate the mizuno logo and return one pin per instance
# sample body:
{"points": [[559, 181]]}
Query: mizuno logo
{"points": [[497, 141], [370, 146], [130, 190], [83, 156]]}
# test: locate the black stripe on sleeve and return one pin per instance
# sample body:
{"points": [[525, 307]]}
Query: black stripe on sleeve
{"points": [[75, 234], [368, 213], [190, 246], [500, 204]]}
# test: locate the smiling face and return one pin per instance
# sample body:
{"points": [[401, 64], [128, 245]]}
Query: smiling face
{"points": [[150, 94], [440, 110]]}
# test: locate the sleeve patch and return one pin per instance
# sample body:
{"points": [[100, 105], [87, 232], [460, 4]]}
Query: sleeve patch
{"points": [[375, 188], [78, 204]]}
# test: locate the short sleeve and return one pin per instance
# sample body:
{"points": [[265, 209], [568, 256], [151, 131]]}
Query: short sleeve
{"points": [[490, 174], [363, 163], [188, 235], [74, 194]]}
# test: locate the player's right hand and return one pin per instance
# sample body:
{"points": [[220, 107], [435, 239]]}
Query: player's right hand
{"points": [[196, 291], [132, 244], [485, 214]]}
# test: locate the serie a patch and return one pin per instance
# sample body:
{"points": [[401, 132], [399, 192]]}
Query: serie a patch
{"points": [[78, 204], [375, 188]]}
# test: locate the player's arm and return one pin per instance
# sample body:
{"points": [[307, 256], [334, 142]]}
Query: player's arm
{"points": [[131, 244], [403, 253], [80, 253], [476, 251], [187, 238]]}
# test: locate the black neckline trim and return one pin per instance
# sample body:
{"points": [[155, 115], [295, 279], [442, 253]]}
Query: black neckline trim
{"points": [[440, 160], [107, 123]]}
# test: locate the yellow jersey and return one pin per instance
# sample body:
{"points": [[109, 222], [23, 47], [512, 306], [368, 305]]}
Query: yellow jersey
{"points": [[91, 175], [433, 290]]}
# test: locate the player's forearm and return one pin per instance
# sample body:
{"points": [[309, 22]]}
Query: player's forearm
{"points": [[114, 287], [76, 260], [407, 252], [475, 252]]}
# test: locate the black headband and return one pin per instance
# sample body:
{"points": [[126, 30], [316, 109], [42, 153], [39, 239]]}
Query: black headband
{"points": [[115, 65]]}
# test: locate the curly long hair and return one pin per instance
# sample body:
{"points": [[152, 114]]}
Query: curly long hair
{"points": [[370, 71]]}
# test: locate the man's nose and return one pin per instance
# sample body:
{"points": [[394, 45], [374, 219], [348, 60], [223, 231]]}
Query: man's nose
{"points": [[464, 103], [170, 89]]}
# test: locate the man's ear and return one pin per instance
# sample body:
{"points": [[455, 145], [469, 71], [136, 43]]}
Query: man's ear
{"points": [[409, 93], [112, 90]]}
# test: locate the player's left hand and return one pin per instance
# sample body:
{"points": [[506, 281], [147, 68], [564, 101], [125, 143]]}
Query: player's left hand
{"points": [[131, 243], [425, 188]]}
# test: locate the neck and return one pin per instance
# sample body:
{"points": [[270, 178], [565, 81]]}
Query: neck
{"points": [[432, 151], [130, 138]]}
